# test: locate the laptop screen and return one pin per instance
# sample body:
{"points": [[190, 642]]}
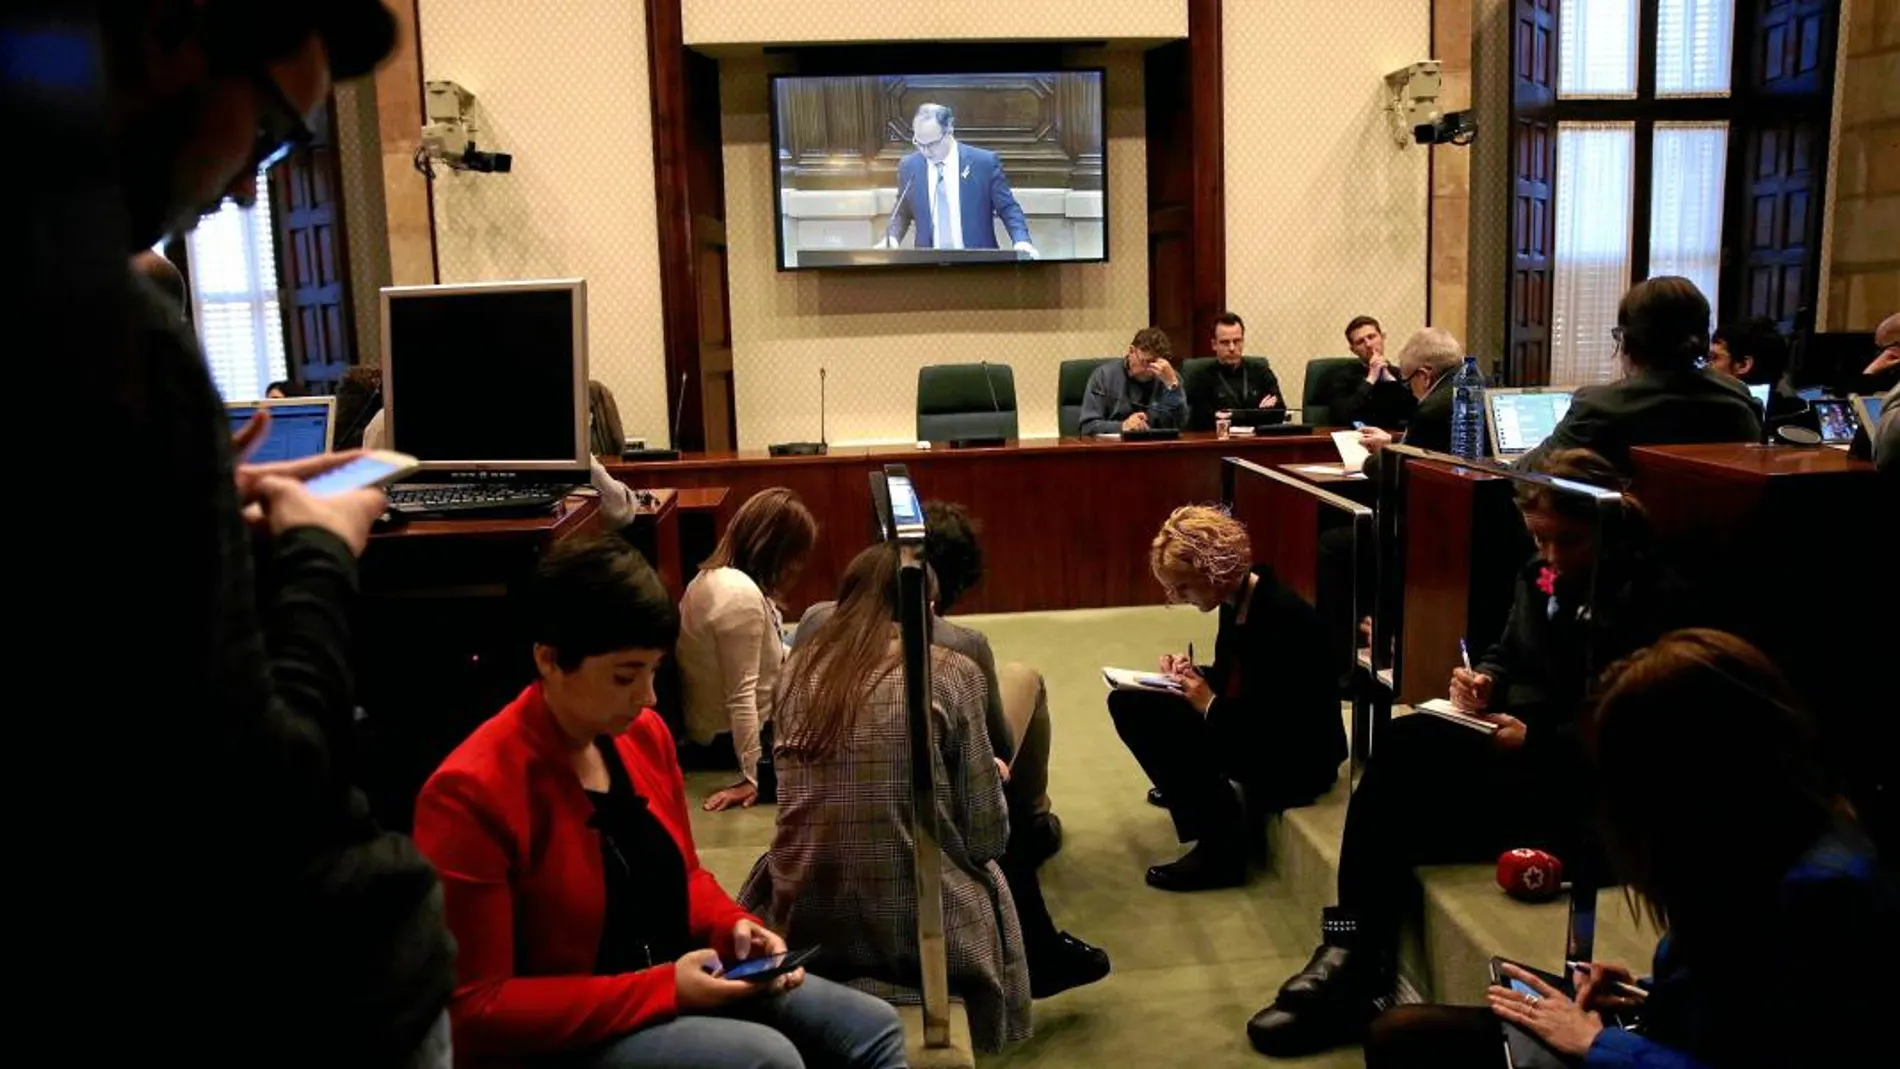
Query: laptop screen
{"points": [[1836, 421], [297, 430], [1524, 419]]}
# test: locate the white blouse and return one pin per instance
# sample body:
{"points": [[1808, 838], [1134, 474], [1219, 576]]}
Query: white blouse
{"points": [[729, 656]]}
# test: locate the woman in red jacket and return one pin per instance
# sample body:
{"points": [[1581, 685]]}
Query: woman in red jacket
{"points": [[584, 922]]}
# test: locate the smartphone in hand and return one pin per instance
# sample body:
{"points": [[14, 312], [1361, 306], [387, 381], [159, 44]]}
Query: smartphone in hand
{"points": [[374, 468], [770, 967]]}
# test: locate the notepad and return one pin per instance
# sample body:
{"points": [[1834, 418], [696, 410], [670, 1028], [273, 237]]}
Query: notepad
{"points": [[1129, 679], [1444, 710]]}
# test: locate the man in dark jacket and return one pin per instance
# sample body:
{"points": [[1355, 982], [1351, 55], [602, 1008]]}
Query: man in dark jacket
{"points": [[1233, 381], [1372, 393], [1426, 366], [1666, 399], [211, 842]]}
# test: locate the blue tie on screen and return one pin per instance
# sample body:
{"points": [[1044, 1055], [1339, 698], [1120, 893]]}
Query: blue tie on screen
{"points": [[941, 203]]}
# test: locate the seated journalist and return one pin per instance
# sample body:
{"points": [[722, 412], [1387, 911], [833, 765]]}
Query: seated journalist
{"points": [[1747, 858], [1233, 381], [1436, 792], [588, 934]]}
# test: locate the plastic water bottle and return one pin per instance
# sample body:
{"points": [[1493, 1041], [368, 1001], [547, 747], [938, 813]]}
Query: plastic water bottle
{"points": [[1467, 411]]}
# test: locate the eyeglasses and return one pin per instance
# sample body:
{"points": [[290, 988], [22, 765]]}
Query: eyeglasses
{"points": [[280, 129], [1616, 335]]}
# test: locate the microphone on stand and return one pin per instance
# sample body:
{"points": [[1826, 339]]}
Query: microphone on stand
{"points": [[996, 406], [679, 413], [807, 449], [891, 239]]}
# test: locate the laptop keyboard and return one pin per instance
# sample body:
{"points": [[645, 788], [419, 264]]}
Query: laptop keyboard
{"points": [[494, 499]]}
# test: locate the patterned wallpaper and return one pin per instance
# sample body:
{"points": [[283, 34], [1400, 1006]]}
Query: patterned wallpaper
{"points": [[1326, 216], [562, 85], [732, 22], [366, 228], [872, 331]]}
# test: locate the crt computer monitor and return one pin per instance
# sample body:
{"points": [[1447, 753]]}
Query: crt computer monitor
{"points": [[1520, 419], [300, 427], [487, 378]]}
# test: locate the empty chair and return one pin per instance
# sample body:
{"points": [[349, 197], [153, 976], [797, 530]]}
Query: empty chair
{"points": [[1312, 412], [1072, 384], [965, 401]]}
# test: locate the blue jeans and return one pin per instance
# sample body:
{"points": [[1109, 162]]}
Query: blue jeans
{"points": [[820, 1024]]}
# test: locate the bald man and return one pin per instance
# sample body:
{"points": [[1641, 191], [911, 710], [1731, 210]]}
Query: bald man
{"points": [[1883, 373], [166, 276]]}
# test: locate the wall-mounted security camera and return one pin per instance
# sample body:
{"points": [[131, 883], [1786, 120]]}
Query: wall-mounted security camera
{"points": [[1412, 97], [449, 136], [1451, 128]]}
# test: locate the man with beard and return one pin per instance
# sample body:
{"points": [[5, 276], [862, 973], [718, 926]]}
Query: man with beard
{"points": [[211, 876]]}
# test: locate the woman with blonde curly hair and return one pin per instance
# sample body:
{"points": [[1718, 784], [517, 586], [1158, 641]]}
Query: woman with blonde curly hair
{"points": [[1265, 714]]}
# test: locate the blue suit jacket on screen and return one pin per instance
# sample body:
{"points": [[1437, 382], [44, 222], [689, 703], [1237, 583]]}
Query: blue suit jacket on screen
{"points": [[984, 190]]}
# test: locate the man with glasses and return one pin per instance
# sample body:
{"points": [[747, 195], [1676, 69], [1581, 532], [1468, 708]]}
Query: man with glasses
{"points": [[953, 191], [1371, 393], [1883, 373], [1426, 366], [1142, 391], [212, 842]]}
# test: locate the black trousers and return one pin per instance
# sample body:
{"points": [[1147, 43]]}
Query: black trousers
{"points": [[1184, 757], [1435, 1037], [1437, 793]]}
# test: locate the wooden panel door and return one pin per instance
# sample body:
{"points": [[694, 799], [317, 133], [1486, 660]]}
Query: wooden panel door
{"points": [[313, 263], [1170, 195], [1786, 83], [1533, 162]]}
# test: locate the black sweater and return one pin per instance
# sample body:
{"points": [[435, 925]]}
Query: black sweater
{"points": [[1214, 388], [1276, 702], [1346, 393], [242, 877]]}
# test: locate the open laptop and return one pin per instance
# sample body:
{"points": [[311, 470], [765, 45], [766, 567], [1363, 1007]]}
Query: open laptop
{"points": [[1519, 419], [1834, 418], [1868, 408], [299, 426]]}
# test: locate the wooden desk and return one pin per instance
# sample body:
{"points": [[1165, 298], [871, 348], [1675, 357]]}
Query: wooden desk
{"points": [[1463, 543], [1793, 543], [1066, 522]]}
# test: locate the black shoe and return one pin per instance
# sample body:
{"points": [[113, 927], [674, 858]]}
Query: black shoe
{"points": [[1328, 1003], [1155, 799], [1066, 963], [1209, 865]]}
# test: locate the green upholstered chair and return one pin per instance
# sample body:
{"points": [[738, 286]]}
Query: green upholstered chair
{"points": [[1072, 384], [1312, 413], [954, 401]]}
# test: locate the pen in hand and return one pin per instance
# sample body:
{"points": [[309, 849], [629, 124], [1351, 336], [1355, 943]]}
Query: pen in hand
{"points": [[1190, 654], [1464, 651]]}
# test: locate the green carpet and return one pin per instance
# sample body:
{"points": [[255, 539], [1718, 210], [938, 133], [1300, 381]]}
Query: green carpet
{"points": [[1189, 969]]}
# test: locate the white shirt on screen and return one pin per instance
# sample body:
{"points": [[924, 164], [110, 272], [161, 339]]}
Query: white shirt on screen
{"points": [[952, 192]]}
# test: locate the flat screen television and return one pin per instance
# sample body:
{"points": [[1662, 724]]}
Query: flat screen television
{"points": [[886, 170]]}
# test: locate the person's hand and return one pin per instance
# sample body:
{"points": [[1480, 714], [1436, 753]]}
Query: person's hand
{"points": [[741, 795], [1597, 987], [753, 940], [696, 989], [1269, 400], [1567, 1027], [1510, 732], [1028, 250], [1136, 422], [251, 435], [1470, 691], [1195, 689], [281, 503], [1883, 360], [886, 242], [1374, 438], [1165, 372], [1376, 369], [1002, 769], [1173, 664]]}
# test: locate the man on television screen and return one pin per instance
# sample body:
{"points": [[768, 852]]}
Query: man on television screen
{"points": [[953, 191]]}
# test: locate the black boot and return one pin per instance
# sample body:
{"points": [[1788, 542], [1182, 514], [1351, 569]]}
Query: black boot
{"points": [[1062, 963], [1214, 862], [1329, 1003]]}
